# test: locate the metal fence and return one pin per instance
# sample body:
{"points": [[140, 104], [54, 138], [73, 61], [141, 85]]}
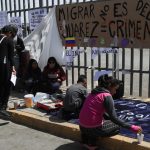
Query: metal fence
{"points": [[134, 64]]}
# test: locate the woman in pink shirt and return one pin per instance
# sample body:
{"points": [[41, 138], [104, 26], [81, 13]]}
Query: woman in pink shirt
{"points": [[98, 116]]}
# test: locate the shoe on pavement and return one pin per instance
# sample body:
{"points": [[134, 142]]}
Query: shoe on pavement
{"points": [[4, 113], [90, 147]]}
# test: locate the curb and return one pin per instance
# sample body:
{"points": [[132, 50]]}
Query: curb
{"points": [[71, 131]]}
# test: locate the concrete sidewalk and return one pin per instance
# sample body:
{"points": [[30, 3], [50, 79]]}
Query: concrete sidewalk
{"points": [[41, 121]]}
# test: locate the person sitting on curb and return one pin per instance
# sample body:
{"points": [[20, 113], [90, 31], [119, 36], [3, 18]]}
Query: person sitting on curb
{"points": [[91, 119], [52, 76], [32, 77], [74, 98]]}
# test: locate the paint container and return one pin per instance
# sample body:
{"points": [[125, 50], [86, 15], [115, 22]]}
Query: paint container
{"points": [[29, 100], [140, 137]]}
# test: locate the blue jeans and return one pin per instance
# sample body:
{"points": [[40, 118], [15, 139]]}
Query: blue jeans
{"points": [[55, 85]]}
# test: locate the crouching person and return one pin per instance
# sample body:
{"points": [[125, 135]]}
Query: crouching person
{"points": [[74, 98], [32, 77], [91, 118]]}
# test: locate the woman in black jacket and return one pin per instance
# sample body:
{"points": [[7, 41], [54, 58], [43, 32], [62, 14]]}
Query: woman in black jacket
{"points": [[6, 66], [32, 76]]}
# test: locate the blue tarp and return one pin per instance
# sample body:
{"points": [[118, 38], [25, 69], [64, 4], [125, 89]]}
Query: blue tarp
{"points": [[134, 112]]}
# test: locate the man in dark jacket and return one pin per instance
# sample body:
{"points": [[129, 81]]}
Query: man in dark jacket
{"points": [[19, 47], [6, 66], [74, 98]]}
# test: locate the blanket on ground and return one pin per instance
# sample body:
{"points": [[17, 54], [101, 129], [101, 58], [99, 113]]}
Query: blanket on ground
{"points": [[134, 112]]}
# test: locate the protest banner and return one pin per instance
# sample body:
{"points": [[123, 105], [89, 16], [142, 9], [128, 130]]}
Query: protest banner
{"points": [[96, 24]]}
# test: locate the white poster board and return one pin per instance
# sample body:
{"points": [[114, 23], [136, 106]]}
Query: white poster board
{"points": [[36, 16], [3, 18], [17, 21]]}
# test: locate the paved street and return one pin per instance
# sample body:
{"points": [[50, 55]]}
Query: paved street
{"points": [[18, 137]]}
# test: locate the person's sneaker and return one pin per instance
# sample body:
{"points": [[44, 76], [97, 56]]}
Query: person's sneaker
{"points": [[90, 147], [4, 113]]}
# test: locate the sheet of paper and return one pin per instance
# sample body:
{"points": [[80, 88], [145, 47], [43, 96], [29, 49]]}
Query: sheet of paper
{"points": [[13, 79]]}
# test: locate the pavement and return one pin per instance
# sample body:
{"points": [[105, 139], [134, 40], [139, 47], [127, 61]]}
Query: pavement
{"points": [[20, 137], [42, 121]]}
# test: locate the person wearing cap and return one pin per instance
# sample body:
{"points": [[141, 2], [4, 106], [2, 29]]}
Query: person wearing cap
{"points": [[6, 67]]}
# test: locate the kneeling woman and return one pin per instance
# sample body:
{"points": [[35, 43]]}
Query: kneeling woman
{"points": [[96, 106]]}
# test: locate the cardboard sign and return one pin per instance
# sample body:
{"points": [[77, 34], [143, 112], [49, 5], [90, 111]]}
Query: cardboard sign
{"points": [[119, 23]]}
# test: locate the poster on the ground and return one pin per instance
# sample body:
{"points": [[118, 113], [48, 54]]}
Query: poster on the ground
{"points": [[110, 23]]}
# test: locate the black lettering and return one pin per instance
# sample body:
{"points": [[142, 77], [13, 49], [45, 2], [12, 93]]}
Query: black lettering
{"points": [[148, 16], [138, 29], [103, 14], [68, 14], [81, 29], [76, 53], [87, 29], [73, 13], [76, 30], [120, 25], [143, 11], [131, 27], [112, 33], [125, 11], [139, 5], [69, 30], [72, 29], [61, 14], [92, 11], [86, 12], [146, 30], [80, 10], [116, 7], [95, 25]]}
